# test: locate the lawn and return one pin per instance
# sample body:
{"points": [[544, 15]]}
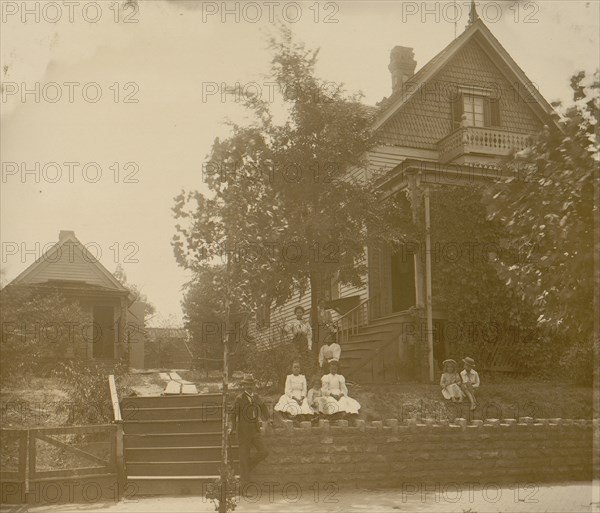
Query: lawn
{"points": [[40, 402], [510, 399]]}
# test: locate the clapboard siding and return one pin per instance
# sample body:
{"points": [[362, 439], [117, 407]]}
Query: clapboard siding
{"points": [[272, 336]]}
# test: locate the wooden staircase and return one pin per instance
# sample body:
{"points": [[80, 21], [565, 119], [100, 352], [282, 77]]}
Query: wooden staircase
{"points": [[172, 444], [372, 352]]}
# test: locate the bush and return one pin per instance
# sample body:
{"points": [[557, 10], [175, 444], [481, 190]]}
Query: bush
{"points": [[39, 330], [88, 394], [269, 366], [578, 363]]}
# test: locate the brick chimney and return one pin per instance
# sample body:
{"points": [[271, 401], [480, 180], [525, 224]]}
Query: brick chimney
{"points": [[402, 66], [65, 233]]}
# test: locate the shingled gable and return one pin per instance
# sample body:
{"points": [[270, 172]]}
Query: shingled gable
{"points": [[69, 261], [476, 31]]}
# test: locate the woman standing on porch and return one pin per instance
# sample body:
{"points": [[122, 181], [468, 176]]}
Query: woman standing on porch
{"points": [[301, 336], [325, 321], [300, 331]]}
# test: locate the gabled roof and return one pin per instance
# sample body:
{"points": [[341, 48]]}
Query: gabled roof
{"points": [[68, 261], [477, 31]]}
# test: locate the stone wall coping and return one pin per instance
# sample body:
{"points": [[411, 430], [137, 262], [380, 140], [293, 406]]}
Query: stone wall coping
{"points": [[388, 426]]}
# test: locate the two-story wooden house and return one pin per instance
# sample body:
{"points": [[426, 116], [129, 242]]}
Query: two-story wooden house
{"points": [[448, 123]]}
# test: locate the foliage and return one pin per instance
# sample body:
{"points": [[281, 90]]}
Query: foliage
{"points": [[269, 367], [120, 275], [548, 211], [88, 395], [38, 330], [484, 313], [282, 206], [232, 488], [204, 312]]}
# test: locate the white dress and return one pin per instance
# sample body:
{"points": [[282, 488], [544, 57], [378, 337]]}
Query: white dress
{"points": [[336, 384], [295, 388], [329, 352]]}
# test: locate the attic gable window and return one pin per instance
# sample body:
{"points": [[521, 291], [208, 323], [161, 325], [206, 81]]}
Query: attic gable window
{"points": [[475, 107]]}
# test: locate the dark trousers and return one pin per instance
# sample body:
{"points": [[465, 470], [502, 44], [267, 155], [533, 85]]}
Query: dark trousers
{"points": [[246, 441]]}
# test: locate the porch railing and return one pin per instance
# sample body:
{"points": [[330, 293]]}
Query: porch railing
{"points": [[349, 323], [481, 140]]}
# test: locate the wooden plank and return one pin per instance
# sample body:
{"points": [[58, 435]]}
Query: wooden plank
{"points": [[72, 449], [32, 454], [10, 475], [73, 430], [114, 397], [23, 450], [75, 472]]}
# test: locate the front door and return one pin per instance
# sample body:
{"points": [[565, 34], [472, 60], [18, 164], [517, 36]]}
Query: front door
{"points": [[402, 280], [103, 340]]}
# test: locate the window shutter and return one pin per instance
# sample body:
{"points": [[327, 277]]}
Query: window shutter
{"points": [[457, 111], [492, 112], [495, 111]]}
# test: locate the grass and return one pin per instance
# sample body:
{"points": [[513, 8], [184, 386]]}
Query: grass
{"points": [[39, 402], [33, 402], [504, 401]]}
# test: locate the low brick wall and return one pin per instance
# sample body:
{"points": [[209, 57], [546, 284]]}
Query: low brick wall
{"points": [[390, 454]]}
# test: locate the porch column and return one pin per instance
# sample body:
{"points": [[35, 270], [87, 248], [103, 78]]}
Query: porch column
{"points": [[428, 285], [415, 202]]}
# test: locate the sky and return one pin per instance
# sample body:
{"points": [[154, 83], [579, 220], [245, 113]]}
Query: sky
{"points": [[109, 110]]}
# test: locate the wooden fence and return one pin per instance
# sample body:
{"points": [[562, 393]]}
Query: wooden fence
{"points": [[61, 458]]}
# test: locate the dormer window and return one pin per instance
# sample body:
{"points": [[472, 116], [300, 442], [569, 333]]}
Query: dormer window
{"points": [[473, 110], [475, 107]]}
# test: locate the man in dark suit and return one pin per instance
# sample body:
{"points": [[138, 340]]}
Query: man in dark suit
{"points": [[247, 409]]}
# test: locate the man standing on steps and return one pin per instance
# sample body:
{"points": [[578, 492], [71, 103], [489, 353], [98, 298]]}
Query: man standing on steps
{"points": [[247, 409]]}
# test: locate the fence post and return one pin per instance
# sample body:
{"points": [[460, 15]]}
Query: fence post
{"points": [[120, 458], [117, 440], [32, 454]]}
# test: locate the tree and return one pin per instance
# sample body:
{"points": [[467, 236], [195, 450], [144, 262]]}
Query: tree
{"points": [[39, 330], [138, 295], [284, 208], [204, 313], [548, 209]]}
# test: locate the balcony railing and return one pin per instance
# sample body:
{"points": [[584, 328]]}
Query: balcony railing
{"points": [[481, 141]]}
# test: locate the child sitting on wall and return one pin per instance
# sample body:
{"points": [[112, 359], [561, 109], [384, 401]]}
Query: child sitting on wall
{"points": [[315, 397], [470, 380]]}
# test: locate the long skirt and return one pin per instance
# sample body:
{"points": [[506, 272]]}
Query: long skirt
{"points": [[288, 405], [344, 405], [453, 391]]}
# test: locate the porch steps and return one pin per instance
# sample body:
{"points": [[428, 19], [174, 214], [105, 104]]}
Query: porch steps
{"points": [[172, 444], [370, 355]]}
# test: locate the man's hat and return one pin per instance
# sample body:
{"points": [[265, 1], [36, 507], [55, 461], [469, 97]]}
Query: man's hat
{"points": [[248, 379], [470, 361]]}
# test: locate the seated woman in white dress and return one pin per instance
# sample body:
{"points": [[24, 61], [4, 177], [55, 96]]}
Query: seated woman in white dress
{"points": [[293, 402], [330, 350], [335, 394]]}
